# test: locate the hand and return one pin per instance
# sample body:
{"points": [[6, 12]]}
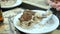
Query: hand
{"points": [[55, 5], [58, 6]]}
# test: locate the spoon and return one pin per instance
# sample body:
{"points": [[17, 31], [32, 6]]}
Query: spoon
{"points": [[44, 21]]}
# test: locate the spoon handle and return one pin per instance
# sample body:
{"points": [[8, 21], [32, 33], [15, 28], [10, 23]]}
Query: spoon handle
{"points": [[49, 8]]}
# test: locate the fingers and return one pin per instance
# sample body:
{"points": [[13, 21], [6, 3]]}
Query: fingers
{"points": [[53, 5], [58, 6]]}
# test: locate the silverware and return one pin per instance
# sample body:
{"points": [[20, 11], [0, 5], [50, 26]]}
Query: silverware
{"points": [[49, 8]]}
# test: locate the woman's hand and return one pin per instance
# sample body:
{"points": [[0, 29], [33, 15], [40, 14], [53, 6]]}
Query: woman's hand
{"points": [[55, 4]]}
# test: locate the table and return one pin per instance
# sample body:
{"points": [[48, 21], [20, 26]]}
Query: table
{"points": [[12, 13]]}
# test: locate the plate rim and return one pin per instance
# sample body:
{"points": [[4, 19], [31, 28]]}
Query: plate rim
{"points": [[14, 5], [43, 32]]}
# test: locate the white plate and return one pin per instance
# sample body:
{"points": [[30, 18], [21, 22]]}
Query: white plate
{"points": [[50, 26], [18, 2]]}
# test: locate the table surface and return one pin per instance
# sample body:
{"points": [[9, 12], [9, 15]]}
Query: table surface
{"points": [[13, 13], [16, 10]]}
